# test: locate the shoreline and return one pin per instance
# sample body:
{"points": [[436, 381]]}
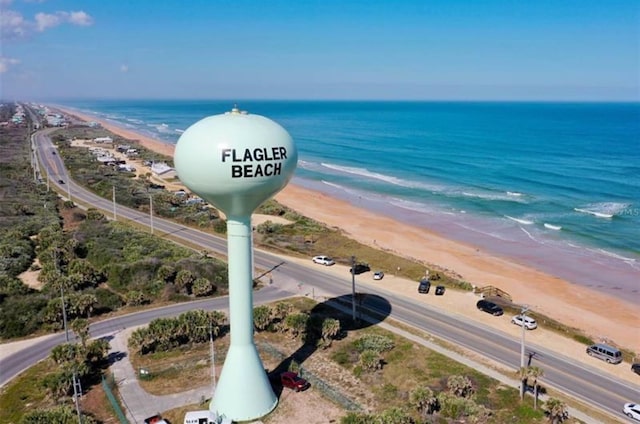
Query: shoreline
{"points": [[598, 314]]}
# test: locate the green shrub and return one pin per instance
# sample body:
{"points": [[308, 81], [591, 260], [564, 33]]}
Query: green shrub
{"points": [[107, 301], [583, 339], [373, 342]]}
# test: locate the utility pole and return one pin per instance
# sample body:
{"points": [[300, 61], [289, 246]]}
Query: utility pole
{"points": [[523, 312], [213, 361], [151, 212], [69, 189], [115, 218], [353, 288], [76, 383]]}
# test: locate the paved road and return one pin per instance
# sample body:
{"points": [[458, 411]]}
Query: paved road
{"points": [[563, 373]]}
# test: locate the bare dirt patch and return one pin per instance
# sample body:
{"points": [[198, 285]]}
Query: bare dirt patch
{"points": [[30, 276]]}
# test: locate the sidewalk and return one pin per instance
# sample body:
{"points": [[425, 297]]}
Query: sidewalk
{"points": [[137, 402]]}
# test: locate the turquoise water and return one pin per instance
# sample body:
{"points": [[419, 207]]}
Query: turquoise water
{"points": [[554, 185]]}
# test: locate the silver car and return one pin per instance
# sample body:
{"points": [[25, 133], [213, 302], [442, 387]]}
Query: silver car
{"points": [[323, 260], [528, 322]]}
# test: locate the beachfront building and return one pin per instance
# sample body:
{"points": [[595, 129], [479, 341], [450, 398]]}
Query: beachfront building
{"points": [[103, 140], [161, 169]]}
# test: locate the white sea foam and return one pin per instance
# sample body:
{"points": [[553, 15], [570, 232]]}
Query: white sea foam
{"points": [[514, 193], [519, 220], [594, 213], [494, 196], [409, 205], [363, 172], [552, 227], [615, 255], [603, 209], [350, 191], [531, 236], [179, 131]]}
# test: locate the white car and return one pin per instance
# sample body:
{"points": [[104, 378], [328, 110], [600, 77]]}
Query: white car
{"points": [[632, 410], [379, 275], [529, 323], [323, 260]]}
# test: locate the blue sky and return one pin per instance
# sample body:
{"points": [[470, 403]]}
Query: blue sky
{"points": [[325, 49]]}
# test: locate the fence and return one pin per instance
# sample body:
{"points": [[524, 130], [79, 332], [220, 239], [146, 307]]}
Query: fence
{"points": [[106, 385], [329, 391]]}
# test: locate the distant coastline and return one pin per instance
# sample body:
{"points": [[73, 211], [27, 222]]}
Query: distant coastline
{"points": [[526, 235], [573, 304]]}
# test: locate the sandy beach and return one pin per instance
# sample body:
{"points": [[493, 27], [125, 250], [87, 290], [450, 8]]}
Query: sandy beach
{"points": [[601, 316]]}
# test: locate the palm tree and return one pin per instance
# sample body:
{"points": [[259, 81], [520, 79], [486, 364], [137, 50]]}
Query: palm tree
{"points": [[556, 410], [460, 386], [330, 328], [424, 401], [296, 323], [261, 317], [535, 373], [81, 328]]}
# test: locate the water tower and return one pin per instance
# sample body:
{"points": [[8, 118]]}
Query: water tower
{"points": [[236, 161]]}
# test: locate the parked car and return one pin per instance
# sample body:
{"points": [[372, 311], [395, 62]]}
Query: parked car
{"points": [[155, 419], [632, 410], [291, 380], [359, 269], [489, 307], [60, 181], [424, 286], [636, 367], [609, 354], [323, 260], [440, 290], [378, 275], [528, 322]]}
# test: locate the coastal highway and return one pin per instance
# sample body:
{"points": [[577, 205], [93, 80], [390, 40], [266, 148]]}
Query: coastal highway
{"points": [[562, 373]]}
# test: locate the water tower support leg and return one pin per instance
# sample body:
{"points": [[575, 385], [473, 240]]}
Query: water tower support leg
{"points": [[243, 392]]}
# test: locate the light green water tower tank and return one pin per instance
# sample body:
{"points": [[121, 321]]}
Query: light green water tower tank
{"points": [[236, 161]]}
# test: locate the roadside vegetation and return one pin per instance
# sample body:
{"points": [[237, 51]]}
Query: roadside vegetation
{"points": [[377, 376]]}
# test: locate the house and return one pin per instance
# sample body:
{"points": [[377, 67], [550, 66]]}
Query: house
{"points": [[162, 169], [103, 140]]}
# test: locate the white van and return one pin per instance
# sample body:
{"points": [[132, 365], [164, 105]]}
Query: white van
{"points": [[605, 352], [204, 417]]}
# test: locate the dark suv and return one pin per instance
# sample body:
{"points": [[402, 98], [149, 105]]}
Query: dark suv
{"points": [[636, 368], [359, 269], [489, 307], [424, 286]]}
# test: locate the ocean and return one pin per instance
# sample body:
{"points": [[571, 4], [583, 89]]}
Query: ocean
{"points": [[551, 185]]}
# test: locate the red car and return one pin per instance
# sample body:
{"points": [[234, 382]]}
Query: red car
{"points": [[293, 381]]}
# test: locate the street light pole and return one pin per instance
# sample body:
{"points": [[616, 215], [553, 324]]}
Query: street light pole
{"points": [[66, 335], [115, 218], [213, 360], [151, 212], [523, 312], [353, 288]]}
